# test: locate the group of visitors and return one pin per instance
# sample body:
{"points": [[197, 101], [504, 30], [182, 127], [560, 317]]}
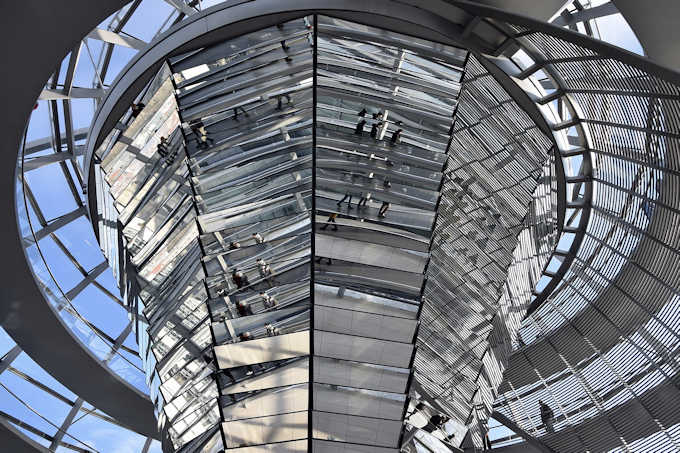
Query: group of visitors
{"points": [[244, 309], [363, 200], [376, 122], [239, 278]]}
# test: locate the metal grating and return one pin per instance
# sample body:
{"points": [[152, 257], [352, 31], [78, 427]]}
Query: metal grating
{"points": [[495, 159]]}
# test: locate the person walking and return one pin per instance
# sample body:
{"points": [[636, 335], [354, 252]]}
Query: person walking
{"points": [[170, 159], [136, 109], [396, 137], [331, 219], [359, 130], [244, 309], [271, 330], [264, 268], [165, 153], [268, 300], [547, 416], [279, 101], [374, 129], [436, 422], [320, 258], [364, 199], [239, 278], [487, 442], [236, 278], [245, 336], [199, 130], [349, 203], [236, 109], [162, 147], [258, 238], [383, 209]]}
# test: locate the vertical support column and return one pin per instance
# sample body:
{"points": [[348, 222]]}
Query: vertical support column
{"points": [[493, 165], [380, 141], [312, 215], [250, 170], [212, 366]]}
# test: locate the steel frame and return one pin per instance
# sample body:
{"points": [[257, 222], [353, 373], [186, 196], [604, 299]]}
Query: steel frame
{"points": [[71, 149]]}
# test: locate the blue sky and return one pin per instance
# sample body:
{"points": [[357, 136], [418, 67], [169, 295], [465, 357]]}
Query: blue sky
{"points": [[54, 198]]}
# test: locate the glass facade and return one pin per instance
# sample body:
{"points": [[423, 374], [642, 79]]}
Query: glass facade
{"points": [[239, 148]]}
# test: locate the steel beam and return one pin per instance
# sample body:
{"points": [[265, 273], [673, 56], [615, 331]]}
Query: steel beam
{"points": [[8, 358], [606, 9], [182, 7], [116, 38], [26, 311], [55, 225], [665, 71], [42, 144], [54, 94], [13, 440], [71, 70], [91, 276], [531, 440], [38, 162]]}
